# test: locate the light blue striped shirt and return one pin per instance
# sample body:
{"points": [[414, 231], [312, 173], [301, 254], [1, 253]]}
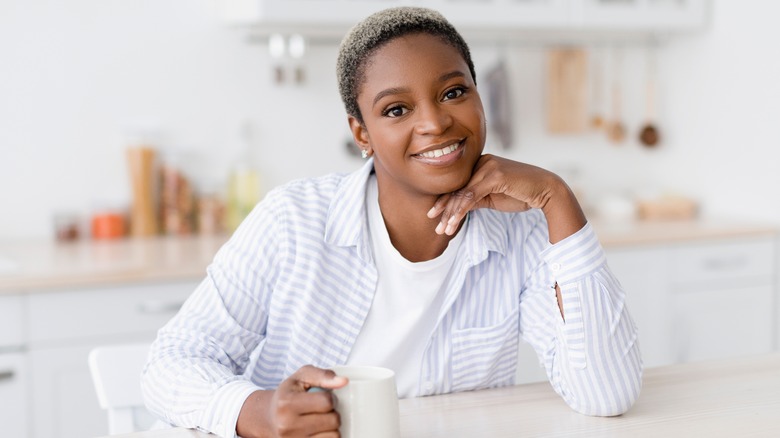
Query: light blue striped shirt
{"points": [[295, 282]]}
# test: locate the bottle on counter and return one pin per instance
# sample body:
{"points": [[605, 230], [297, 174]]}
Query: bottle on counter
{"points": [[143, 213], [244, 183], [177, 198], [210, 208]]}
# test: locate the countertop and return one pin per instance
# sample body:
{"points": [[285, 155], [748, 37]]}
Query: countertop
{"points": [[28, 266], [723, 398], [42, 265]]}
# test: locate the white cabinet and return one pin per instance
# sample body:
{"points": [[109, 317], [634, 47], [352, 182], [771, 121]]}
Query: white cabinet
{"points": [[643, 273], [694, 300], [11, 317], [13, 394], [723, 294], [496, 16], [64, 325], [14, 416], [700, 300]]}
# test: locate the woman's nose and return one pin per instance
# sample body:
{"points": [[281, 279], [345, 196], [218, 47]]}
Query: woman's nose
{"points": [[433, 119]]}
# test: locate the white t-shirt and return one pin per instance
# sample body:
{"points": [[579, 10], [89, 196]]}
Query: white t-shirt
{"points": [[406, 305]]}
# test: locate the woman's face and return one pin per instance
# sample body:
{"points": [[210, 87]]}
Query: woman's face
{"points": [[423, 117]]}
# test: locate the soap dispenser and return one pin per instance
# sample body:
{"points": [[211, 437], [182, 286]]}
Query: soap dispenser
{"points": [[244, 184]]}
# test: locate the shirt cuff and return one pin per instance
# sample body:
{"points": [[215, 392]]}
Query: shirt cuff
{"points": [[575, 256], [222, 410]]}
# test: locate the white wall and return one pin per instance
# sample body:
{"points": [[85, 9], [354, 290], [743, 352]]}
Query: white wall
{"points": [[75, 75]]}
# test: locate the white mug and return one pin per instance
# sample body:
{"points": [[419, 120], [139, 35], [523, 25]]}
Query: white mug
{"points": [[368, 404]]}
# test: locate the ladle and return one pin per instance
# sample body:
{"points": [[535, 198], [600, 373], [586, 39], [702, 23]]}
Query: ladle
{"points": [[649, 135]]}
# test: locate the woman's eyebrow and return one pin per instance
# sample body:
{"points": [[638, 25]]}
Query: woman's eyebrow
{"points": [[452, 74], [388, 92]]}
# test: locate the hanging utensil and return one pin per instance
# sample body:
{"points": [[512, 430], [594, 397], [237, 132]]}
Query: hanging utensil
{"points": [[567, 90], [499, 104], [616, 131], [277, 49], [596, 93], [649, 135]]}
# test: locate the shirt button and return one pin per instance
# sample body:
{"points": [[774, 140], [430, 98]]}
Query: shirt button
{"points": [[555, 267]]}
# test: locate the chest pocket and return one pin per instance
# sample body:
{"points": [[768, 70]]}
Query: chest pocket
{"points": [[485, 357]]}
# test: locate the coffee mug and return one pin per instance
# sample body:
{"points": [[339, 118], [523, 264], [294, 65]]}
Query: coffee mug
{"points": [[368, 404]]}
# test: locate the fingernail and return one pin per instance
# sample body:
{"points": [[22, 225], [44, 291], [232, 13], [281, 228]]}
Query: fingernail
{"points": [[452, 220], [440, 228], [431, 212], [450, 229]]}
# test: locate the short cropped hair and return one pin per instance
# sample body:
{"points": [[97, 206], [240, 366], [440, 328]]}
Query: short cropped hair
{"points": [[366, 37]]}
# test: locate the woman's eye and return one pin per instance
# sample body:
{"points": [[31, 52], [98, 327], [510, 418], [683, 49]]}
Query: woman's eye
{"points": [[396, 111], [454, 93]]}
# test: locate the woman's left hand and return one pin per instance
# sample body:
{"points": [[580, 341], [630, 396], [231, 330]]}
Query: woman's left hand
{"points": [[510, 186]]}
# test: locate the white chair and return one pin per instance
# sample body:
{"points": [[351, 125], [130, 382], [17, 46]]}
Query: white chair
{"points": [[116, 373]]}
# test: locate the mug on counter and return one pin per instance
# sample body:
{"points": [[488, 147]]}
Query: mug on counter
{"points": [[368, 404]]}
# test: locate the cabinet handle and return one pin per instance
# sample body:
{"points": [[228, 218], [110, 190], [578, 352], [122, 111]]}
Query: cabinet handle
{"points": [[722, 264], [6, 375], [157, 307]]}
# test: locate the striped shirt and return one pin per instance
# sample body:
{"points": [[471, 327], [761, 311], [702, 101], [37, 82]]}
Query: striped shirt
{"points": [[294, 284]]}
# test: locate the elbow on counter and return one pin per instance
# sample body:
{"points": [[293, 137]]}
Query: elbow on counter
{"points": [[609, 400]]}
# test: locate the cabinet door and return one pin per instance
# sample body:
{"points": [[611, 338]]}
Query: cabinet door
{"points": [[13, 394], [65, 403], [643, 273], [65, 325], [716, 324]]}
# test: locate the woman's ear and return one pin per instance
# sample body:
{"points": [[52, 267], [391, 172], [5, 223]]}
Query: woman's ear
{"points": [[360, 134]]}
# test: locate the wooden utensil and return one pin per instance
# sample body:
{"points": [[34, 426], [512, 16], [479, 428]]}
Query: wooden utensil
{"points": [[567, 111], [597, 93], [616, 131], [649, 135]]}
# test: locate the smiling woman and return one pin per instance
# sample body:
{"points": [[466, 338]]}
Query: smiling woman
{"points": [[431, 260]]}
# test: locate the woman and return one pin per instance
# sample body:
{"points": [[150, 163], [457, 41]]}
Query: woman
{"points": [[432, 260]]}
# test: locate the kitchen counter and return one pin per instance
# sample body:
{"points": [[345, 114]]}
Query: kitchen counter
{"points": [[43, 265], [624, 233], [28, 266]]}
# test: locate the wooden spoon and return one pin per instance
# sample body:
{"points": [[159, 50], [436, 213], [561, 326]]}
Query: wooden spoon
{"points": [[649, 135], [616, 131], [597, 84]]}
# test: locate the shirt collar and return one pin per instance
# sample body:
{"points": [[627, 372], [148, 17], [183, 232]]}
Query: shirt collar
{"points": [[347, 221]]}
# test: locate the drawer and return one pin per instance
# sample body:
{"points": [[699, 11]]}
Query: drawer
{"points": [[11, 320], [104, 313], [723, 261]]}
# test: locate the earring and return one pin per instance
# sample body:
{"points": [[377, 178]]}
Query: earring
{"points": [[364, 153]]}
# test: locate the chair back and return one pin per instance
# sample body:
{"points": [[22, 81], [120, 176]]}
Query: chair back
{"points": [[116, 374]]}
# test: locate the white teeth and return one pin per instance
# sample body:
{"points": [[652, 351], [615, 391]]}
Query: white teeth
{"points": [[441, 152]]}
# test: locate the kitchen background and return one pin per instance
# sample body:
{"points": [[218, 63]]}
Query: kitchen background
{"points": [[83, 80]]}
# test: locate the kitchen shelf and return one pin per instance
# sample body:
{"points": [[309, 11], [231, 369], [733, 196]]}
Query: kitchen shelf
{"points": [[481, 20]]}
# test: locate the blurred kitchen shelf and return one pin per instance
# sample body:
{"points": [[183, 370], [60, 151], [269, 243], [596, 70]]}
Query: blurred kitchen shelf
{"points": [[539, 21]]}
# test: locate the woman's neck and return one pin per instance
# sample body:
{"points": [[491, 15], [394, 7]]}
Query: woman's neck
{"points": [[411, 231]]}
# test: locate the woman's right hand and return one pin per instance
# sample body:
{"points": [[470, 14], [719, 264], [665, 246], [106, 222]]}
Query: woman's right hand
{"points": [[291, 411]]}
